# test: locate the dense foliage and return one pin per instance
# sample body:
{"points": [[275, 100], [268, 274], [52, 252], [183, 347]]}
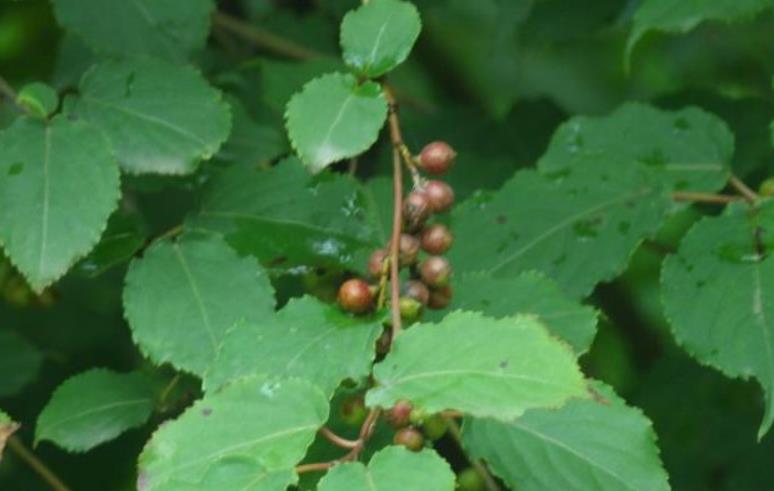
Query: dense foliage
{"points": [[430, 245]]}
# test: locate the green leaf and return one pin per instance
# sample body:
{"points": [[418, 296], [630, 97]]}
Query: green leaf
{"points": [[38, 98], [254, 425], [306, 339], [7, 428], [286, 217], [479, 365], [579, 227], [123, 237], [168, 29], [392, 469], [334, 117], [529, 293], [251, 142], [378, 36], [718, 294], [182, 297], [59, 182], [160, 118], [20, 361], [586, 445], [95, 407], [691, 149], [680, 17]]}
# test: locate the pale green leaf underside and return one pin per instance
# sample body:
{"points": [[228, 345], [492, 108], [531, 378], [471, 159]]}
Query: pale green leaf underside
{"points": [[392, 469], [680, 16], [528, 293], [485, 367], [718, 294], [378, 36], [59, 182], [94, 407], [586, 445], [160, 118], [689, 149], [20, 361], [334, 117], [306, 339], [254, 425], [579, 228], [167, 29], [182, 297]]}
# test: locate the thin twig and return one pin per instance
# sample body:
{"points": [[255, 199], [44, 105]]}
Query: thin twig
{"points": [[397, 210], [338, 440], [10, 94], [315, 467], [742, 188], [478, 465], [37, 465], [704, 197], [263, 38]]}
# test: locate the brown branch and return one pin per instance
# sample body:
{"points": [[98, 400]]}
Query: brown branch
{"points": [[742, 188], [397, 210], [315, 467], [37, 465], [704, 197], [478, 465], [336, 439]]}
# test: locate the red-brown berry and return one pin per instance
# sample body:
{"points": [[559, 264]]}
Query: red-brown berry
{"points": [[409, 438], [376, 262], [437, 158], [440, 196], [355, 296], [352, 410], [440, 298], [436, 239], [435, 271], [416, 209], [398, 416], [417, 290], [408, 249]]}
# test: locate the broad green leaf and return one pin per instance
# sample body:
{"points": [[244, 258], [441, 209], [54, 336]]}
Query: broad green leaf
{"points": [[95, 407], [160, 118], [182, 297], [286, 217], [59, 182], [334, 117], [256, 422], [123, 237], [251, 142], [691, 149], [20, 361], [378, 36], [7, 428], [479, 365], [38, 98], [529, 293], [718, 294], [392, 469], [167, 29], [306, 339], [586, 445], [579, 227], [682, 16]]}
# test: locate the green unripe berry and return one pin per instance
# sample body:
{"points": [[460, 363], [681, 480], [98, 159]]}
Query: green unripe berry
{"points": [[353, 411], [470, 480], [434, 427], [767, 187], [410, 309]]}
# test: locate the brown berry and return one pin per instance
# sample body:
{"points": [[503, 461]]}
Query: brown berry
{"points": [[417, 290], [440, 298], [437, 158], [355, 296], [409, 438], [435, 271], [398, 416], [440, 196], [416, 209], [436, 239], [408, 249], [376, 262]]}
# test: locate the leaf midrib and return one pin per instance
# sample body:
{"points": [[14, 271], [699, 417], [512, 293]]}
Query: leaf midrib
{"points": [[95, 410]]}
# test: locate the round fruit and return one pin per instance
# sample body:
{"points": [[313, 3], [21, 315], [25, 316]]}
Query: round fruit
{"points": [[416, 209], [409, 438], [376, 262], [767, 187], [409, 249], [434, 427], [436, 239], [440, 196], [470, 480], [353, 411], [410, 309], [417, 290], [435, 272], [440, 298], [437, 158], [400, 413], [355, 296]]}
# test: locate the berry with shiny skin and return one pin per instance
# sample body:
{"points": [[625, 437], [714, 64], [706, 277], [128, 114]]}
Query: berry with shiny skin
{"points": [[408, 249], [409, 438], [353, 411], [470, 480], [437, 158], [416, 209], [440, 298], [436, 239], [417, 290], [355, 296], [410, 309], [440, 196], [376, 262], [398, 416], [435, 272]]}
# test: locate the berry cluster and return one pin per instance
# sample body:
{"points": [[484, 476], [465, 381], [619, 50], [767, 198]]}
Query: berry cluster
{"points": [[428, 283], [408, 421]]}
